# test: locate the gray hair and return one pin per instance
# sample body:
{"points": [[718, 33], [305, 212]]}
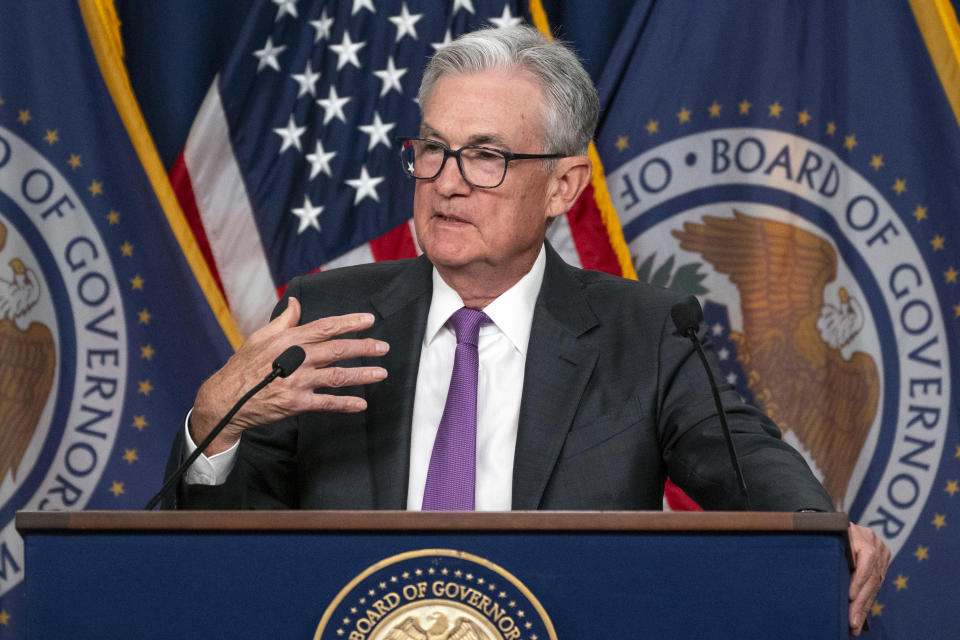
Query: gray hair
{"points": [[572, 105]]}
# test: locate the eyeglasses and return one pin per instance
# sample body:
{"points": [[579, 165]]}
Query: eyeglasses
{"points": [[481, 167]]}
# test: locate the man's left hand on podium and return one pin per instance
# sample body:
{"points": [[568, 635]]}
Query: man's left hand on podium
{"points": [[871, 557]]}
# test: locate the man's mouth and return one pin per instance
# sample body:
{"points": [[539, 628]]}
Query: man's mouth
{"points": [[450, 218]]}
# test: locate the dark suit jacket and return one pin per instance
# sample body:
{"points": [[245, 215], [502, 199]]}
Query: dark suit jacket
{"points": [[614, 400]]}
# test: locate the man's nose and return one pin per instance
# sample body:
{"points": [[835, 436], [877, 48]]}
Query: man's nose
{"points": [[450, 181]]}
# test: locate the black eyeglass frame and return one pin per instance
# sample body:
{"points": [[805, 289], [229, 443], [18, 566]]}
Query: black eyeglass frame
{"points": [[508, 156]]}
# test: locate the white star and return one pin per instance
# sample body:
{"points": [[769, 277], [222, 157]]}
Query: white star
{"points": [[731, 378], [347, 51], [307, 81], [446, 41], [390, 77], [362, 4], [284, 7], [333, 106], [365, 185], [308, 215], [268, 55], [290, 135], [506, 19], [723, 353], [406, 23], [322, 26], [320, 161], [717, 329], [462, 4], [377, 131]]}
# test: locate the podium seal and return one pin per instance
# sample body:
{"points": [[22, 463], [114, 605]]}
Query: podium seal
{"points": [[435, 594]]}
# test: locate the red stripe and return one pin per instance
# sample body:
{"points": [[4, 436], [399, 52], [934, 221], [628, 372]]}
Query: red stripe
{"points": [[180, 179], [590, 235], [678, 500], [593, 246], [394, 244]]}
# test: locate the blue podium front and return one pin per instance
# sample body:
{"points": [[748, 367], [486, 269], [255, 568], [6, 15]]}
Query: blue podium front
{"points": [[399, 575]]}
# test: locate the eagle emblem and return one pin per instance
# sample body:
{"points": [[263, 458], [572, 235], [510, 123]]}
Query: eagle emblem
{"points": [[438, 629], [791, 342], [27, 361]]}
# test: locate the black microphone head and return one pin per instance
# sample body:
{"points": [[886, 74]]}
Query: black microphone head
{"points": [[288, 361], [687, 315]]}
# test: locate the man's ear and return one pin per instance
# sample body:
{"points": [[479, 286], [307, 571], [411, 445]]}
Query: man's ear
{"points": [[570, 177]]}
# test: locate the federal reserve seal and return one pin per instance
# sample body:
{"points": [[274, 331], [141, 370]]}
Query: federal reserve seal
{"points": [[821, 306], [435, 594], [63, 355]]}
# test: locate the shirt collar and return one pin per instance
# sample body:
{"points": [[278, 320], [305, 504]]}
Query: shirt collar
{"points": [[511, 312]]}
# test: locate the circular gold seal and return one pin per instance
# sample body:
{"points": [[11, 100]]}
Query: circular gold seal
{"points": [[435, 594]]}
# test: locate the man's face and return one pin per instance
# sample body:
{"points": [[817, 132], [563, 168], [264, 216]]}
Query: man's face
{"points": [[466, 230]]}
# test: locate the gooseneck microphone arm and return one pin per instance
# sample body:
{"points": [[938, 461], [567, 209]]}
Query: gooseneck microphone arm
{"points": [[285, 364], [687, 316]]}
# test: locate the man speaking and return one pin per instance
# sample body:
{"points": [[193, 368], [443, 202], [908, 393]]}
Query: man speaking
{"points": [[487, 374]]}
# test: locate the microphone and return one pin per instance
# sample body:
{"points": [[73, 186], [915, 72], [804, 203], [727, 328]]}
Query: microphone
{"points": [[285, 364], [686, 316]]}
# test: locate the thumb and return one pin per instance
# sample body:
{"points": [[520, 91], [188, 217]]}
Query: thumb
{"points": [[291, 315], [289, 318]]}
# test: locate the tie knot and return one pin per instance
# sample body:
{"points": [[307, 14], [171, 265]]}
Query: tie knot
{"points": [[466, 323]]}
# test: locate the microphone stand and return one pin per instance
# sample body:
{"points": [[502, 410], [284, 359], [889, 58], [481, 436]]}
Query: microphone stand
{"points": [[285, 364]]}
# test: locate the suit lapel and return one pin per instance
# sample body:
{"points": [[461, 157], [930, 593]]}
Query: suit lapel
{"points": [[401, 307], [557, 369], [558, 366]]}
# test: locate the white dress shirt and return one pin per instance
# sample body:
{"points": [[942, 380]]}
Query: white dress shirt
{"points": [[503, 354], [503, 351]]}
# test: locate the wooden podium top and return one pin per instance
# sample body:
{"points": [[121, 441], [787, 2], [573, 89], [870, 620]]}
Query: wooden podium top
{"points": [[623, 521]]}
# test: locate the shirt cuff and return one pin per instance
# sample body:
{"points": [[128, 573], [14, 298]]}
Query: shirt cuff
{"points": [[205, 470]]}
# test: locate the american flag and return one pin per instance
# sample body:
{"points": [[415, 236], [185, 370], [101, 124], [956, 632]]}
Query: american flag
{"points": [[291, 165]]}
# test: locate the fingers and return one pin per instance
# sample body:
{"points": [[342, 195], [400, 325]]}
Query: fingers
{"points": [[317, 339], [333, 377], [338, 404], [304, 392], [870, 558], [323, 345], [331, 351], [323, 329], [302, 385]]}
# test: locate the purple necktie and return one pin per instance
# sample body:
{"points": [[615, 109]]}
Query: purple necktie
{"points": [[451, 478]]}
